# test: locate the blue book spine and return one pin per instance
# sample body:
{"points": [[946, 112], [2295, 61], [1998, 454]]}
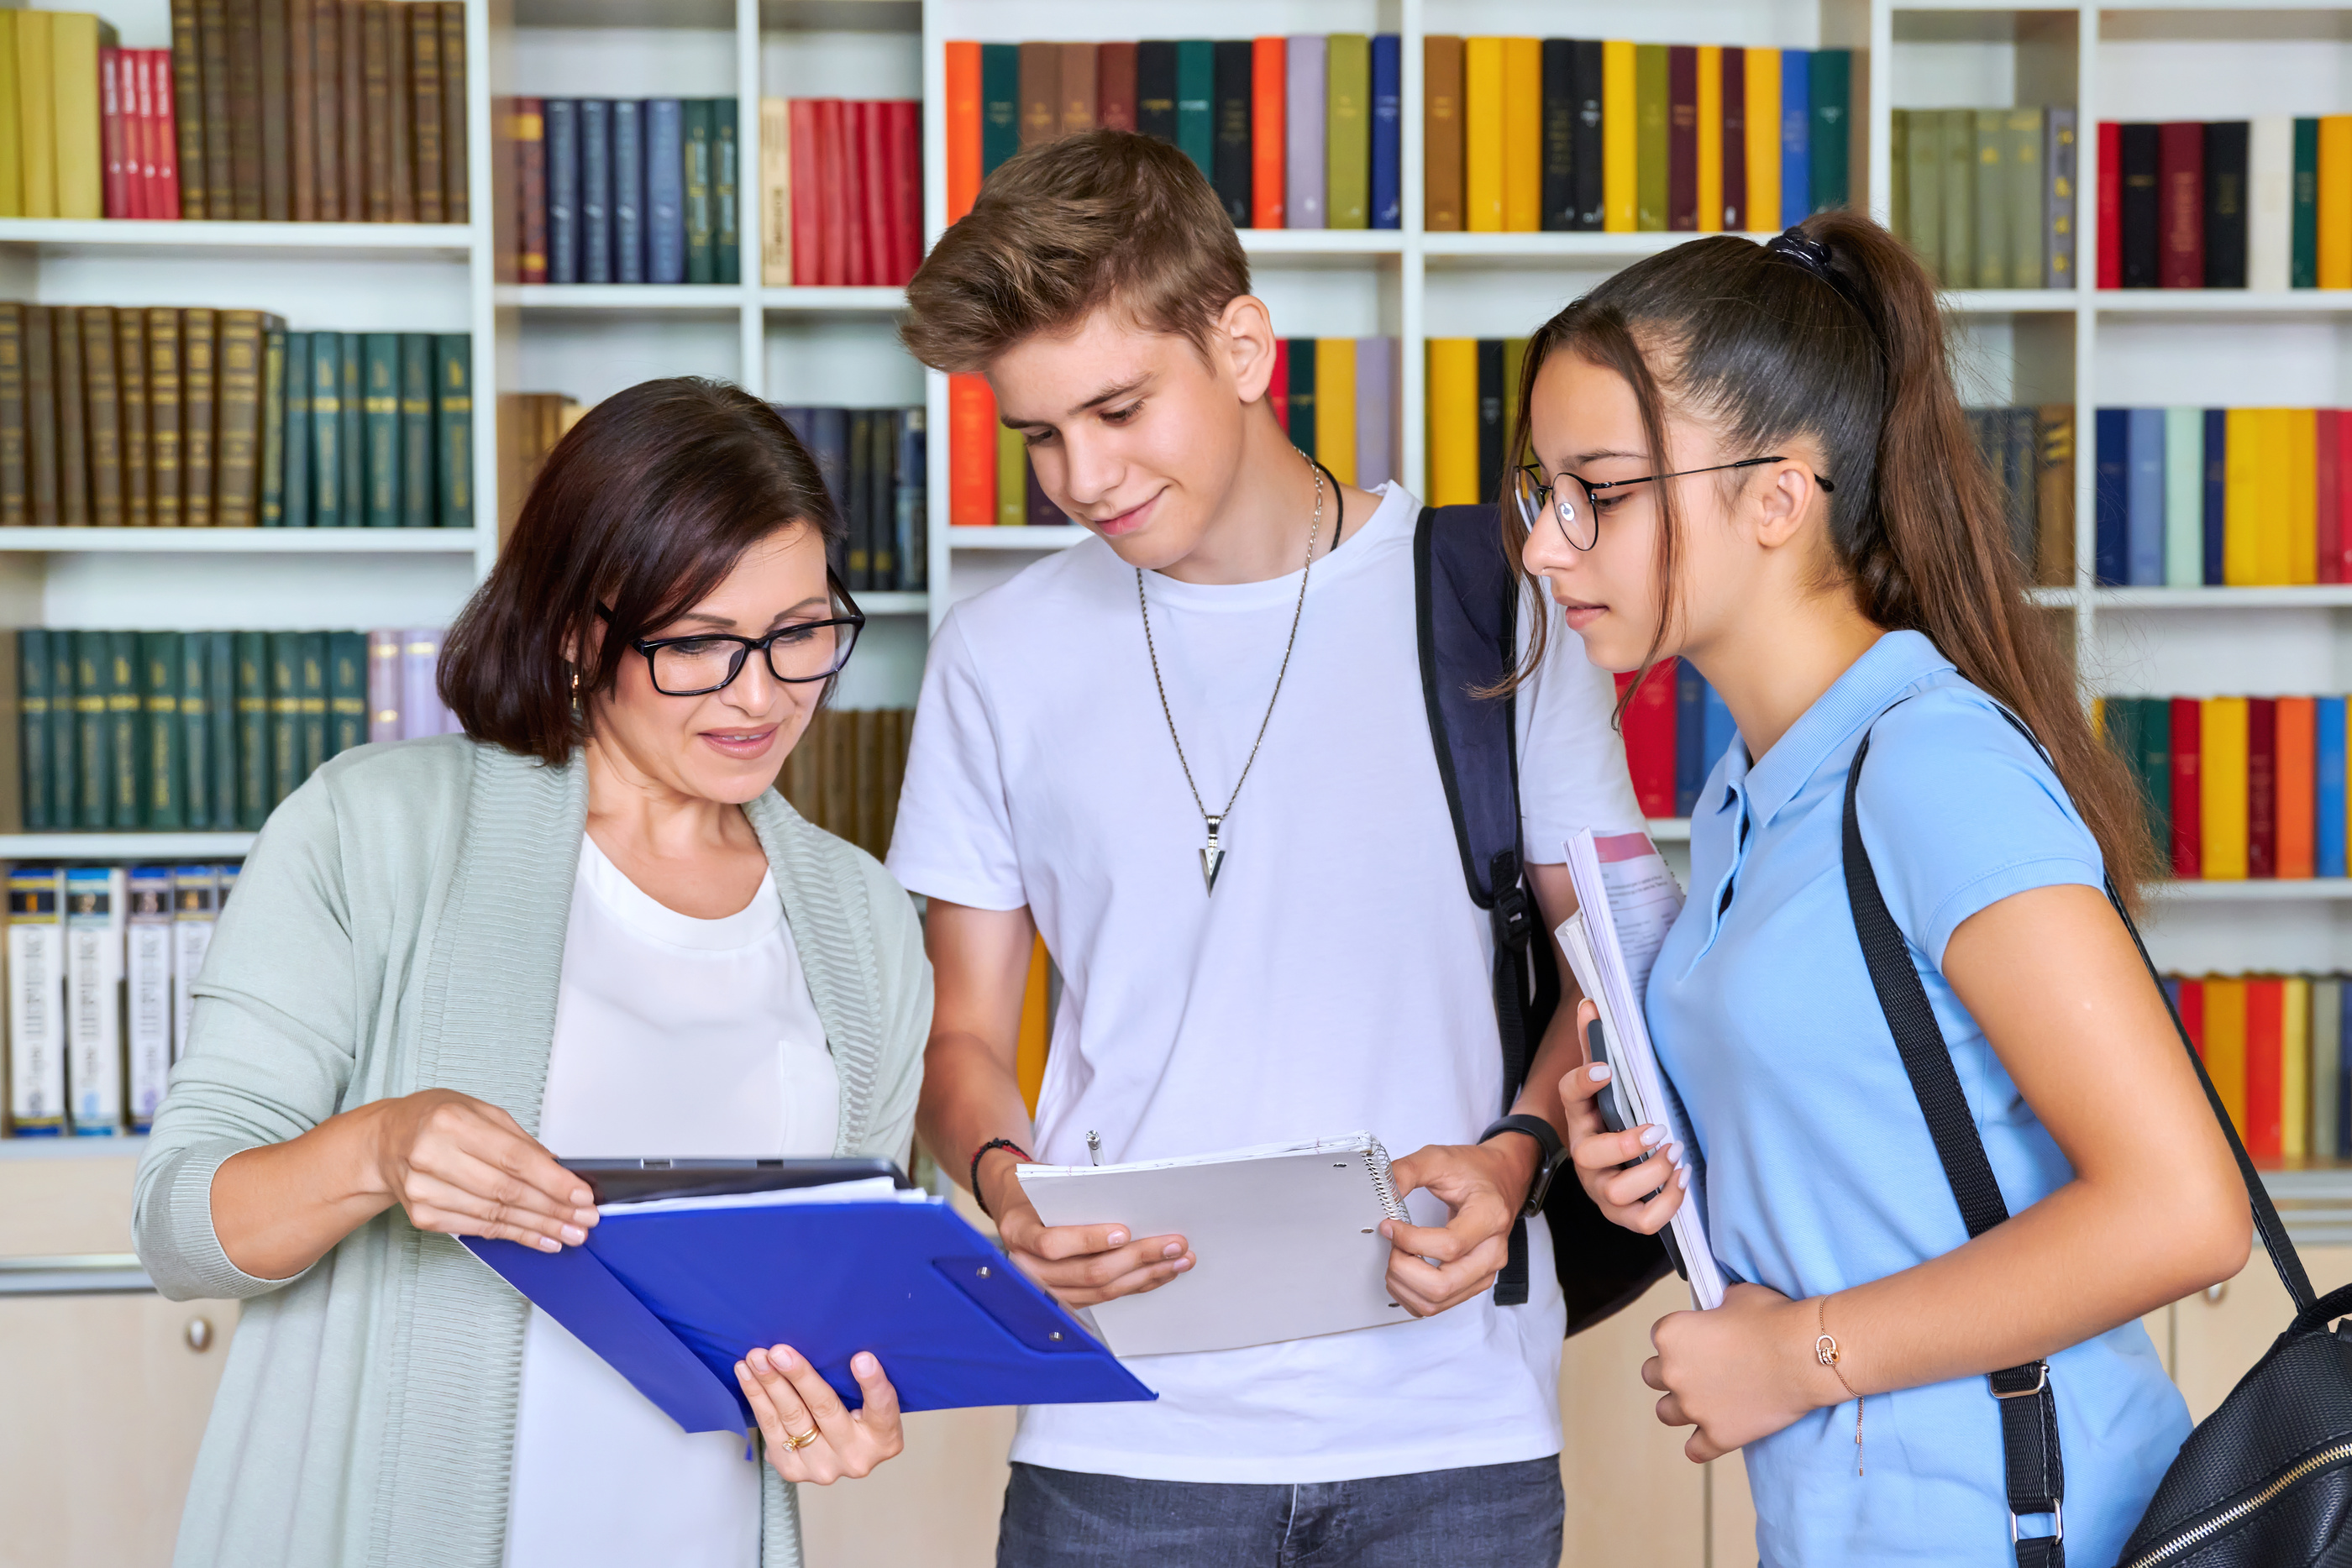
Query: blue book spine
{"points": [[1796, 137], [628, 191], [2110, 557], [1388, 207], [2144, 498], [2328, 840], [595, 190], [665, 191], [1719, 731], [2217, 477], [1690, 735], [563, 190]]}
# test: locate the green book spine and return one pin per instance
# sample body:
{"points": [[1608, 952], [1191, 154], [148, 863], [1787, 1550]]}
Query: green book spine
{"points": [[695, 116], [1000, 105], [126, 731], [33, 715], [273, 428], [285, 674], [327, 430], [381, 400], [350, 441], [159, 694], [253, 770], [2025, 183], [313, 735], [453, 423], [1196, 87], [1959, 198], [195, 731], [727, 211], [1347, 131], [2151, 760], [299, 484], [1924, 189], [91, 734], [347, 673], [1650, 96], [224, 713], [65, 734], [2303, 259], [1829, 94], [1992, 201], [1898, 160], [416, 493]]}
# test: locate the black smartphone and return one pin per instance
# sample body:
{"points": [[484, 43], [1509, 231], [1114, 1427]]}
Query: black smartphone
{"points": [[640, 1181], [1614, 1116]]}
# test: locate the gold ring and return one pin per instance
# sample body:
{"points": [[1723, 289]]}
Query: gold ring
{"points": [[793, 1445]]}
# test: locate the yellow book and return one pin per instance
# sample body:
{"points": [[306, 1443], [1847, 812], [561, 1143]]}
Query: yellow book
{"points": [[2221, 787], [2225, 1044], [1710, 137], [2294, 1069], [74, 38], [2270, 490], [1515, 359], [2099, 718], [1037, 1027], [12, 174], [1619, 168], [1763, 114], [36, 124], [2242, 498], [1453, 422], [1522, 135], [1011, 478], [1482, 135], [2298, 475], [1335, 406], [2336, 201]]}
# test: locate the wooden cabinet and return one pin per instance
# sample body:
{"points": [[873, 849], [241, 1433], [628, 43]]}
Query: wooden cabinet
{"points": [[2218, 1337], [1632, 1495]]}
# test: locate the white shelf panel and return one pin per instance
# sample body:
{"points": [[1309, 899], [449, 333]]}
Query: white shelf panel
{"points": [[625, 298], [2221, 302], [68, 1147], [1670, 829], [834, 302], [2321, 596], [1554, 246], [2009, 302], [1017, 538], [242, 541], [1309, 242], [281, 240], [2264, 890], [894, 603], [125, 846]]}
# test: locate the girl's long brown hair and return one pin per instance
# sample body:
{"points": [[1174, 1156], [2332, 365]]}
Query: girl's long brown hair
{"points": [[1766, 349]]}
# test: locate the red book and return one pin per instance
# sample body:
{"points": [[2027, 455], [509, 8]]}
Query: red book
{"points": [[808, 216], [2262, 786], [2328, 473], [1735, 140], [962, 129], [2188, 835], [902, 133], [165, 203], [2299, 786], [2180, 204], [2265, 1036], [2111, 204], [877, 217], [1682, 138], [2342, 419], [834, 146], [1267, 148], [1648, 730], [2192, 1003], [141, 86], [110, 112], [1280, 389], [1115, 87], [972, 451]]}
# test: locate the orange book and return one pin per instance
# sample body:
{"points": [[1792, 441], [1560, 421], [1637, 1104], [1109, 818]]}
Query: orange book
{"points": [[2266, 1066], [2225, 1043], [2296, 802], [1269, 60], [972, 452], [962, 126], [1035, 1042]]}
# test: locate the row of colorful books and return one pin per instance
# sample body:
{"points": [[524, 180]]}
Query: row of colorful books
{"points": [[102, 963], [874, 467], [2237, 787], [137, 135], [1987, 196], [841, 190], [167, 417], [2031, 451], [2274, 1047], [192, 730], [1675, 729], [844, 773], [2214, 497], [624, 190], [2262, 204]]}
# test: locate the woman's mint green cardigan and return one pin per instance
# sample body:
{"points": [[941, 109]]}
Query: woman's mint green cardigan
{"points": [[400, 926]]}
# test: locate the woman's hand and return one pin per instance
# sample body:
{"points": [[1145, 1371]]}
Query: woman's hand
{"points": [[810, 1435], [463, 1167], [1739, 1372], [1642, 1197]]}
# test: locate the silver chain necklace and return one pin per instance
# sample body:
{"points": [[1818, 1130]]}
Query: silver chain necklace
{"points": [[1212, 854]]}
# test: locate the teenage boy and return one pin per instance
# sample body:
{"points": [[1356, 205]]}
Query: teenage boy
{"points": [[1192, 752]]}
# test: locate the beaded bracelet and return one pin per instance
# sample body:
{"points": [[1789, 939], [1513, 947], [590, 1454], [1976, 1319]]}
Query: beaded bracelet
{"points": [[980, 1153]]}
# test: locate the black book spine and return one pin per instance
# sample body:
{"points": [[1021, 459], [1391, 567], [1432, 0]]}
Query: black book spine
{"points": [[1230, 160], [595, 190], [1302, 394], [1155, 89], [1591, 200], [2225, 203], [854, 504], [563, 190], [2137, 168], [1560, 128], [1490, 417]]}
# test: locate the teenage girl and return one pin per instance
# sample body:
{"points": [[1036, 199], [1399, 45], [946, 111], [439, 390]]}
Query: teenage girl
{"points": [[1752, 457]]}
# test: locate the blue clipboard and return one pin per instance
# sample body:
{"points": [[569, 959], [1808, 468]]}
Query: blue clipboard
{"points": [[672, 1299]]}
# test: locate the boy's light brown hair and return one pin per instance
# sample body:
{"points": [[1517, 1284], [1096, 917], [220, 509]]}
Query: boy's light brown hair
{"points": [[1107, 218]]}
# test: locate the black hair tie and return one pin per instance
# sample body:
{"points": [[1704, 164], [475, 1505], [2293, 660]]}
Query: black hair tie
{"points": [[1805, 251]]}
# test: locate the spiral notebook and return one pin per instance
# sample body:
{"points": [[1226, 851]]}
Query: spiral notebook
{"points": [[1287, 1239]]}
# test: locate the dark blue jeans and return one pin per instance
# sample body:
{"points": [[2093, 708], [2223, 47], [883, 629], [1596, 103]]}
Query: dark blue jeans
{"points": [[1487, 1516]]}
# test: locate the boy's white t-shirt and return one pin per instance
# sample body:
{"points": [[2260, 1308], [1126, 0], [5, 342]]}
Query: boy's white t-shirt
{"points": [[1339, 978]]}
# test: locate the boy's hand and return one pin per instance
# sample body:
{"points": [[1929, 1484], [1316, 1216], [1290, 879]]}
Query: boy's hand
{"points": [[1485, 1186], [1080, 1264]]}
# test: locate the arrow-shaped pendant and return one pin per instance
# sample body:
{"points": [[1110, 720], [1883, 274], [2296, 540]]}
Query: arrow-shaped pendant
{"points": [[1213, 856]]}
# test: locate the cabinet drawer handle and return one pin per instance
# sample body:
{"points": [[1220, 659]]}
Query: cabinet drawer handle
{"points": [[2213, 1293], [199, 1334]]}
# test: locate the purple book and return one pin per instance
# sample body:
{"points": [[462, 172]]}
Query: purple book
{"points": [[1376, 416], [420, 703], [383, 685], [1302, 118]]}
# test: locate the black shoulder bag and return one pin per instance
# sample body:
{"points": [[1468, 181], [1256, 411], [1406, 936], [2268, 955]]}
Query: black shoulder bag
{"points": [[2267, 1480], [1466, 602]]}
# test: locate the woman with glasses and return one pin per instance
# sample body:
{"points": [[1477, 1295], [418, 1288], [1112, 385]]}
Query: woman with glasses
{"points": [[1752, 457], [587, 927]]}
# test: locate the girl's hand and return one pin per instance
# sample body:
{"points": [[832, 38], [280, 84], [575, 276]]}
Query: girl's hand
{"points": [[1739, 1372], [1641, 1198], [810, 1435]]}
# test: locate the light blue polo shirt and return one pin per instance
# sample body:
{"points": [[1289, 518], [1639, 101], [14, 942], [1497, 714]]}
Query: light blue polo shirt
{"points": [[1821, 1174]]}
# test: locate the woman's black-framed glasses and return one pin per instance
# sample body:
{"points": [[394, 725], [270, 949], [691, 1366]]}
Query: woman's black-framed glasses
{"points": [[1580, 525], [708, 661]]}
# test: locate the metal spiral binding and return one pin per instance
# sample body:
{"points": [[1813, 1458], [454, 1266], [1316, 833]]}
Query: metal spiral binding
{"points": [[1376, 1160]]}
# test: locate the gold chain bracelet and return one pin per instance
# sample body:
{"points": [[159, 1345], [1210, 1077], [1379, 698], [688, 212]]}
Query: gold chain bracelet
{"points": [[1825, 1351]]}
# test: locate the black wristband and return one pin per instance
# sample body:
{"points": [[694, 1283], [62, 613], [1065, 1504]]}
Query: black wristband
{"points": [[976, 1157], [1548, 1155]]}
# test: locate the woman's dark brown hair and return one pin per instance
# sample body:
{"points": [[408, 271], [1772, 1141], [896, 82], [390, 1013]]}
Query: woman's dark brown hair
{"points": [[1764, 349], [644, 508]]}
